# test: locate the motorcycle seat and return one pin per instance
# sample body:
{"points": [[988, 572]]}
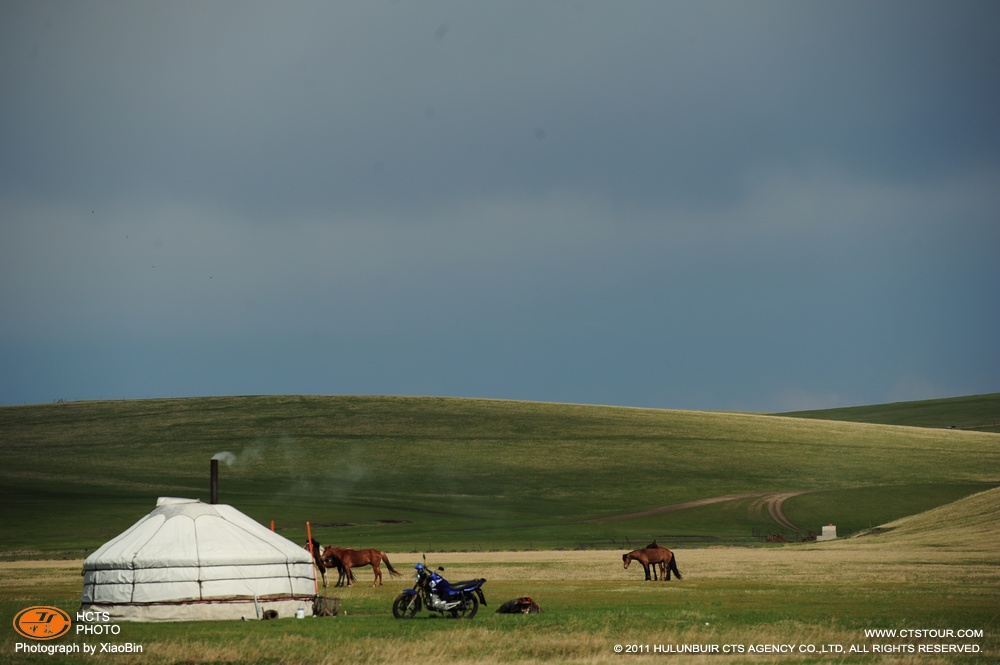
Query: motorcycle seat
{"points": [[467, 584]]}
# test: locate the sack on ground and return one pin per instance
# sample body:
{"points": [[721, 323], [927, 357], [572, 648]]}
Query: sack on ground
{"points": [[523, 605]]}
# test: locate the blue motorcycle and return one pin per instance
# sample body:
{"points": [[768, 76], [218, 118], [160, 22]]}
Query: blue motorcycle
{"points": [[460, 600]]}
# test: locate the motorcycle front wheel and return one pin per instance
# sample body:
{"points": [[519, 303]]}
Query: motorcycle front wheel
{"points": [[468, 609], [405, 606]]}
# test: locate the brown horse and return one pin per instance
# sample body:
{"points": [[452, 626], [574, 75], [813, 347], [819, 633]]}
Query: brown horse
{"points": [[654, 554], [350, 558], [322, 563]]}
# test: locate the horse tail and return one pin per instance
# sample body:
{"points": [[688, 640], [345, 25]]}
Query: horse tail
{"points": [[388, 565], [673, 567]]}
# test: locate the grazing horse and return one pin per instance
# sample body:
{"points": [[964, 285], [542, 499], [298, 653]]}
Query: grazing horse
{"points": [[654, 554], [350, 558]]}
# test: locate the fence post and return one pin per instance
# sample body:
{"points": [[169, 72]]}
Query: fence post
{"points": [[309, 539]]}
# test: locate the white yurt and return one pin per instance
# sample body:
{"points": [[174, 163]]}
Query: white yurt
{"points": [[193, 561]]}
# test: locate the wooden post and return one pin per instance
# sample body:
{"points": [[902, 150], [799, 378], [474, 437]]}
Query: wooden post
{"points": [[309, 539]]}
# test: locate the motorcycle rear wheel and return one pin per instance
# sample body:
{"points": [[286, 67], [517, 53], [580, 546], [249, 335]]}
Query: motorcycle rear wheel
{"points": [[468, 609], [405, 606]]}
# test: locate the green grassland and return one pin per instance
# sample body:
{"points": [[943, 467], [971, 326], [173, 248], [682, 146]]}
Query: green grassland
{"points": [[410, 474], [973, 412], [935, 570]]}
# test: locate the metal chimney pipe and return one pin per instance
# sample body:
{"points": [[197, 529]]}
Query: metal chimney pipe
{"points": [[214, 482]]}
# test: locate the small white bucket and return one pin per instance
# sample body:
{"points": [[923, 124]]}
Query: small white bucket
{"points": [[300, 613]]}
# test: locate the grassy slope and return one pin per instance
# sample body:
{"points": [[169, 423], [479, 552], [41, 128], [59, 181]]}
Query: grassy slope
{"points": [[935, 570], [428, 473], [932, 570], [976, 412], [969, 523]]}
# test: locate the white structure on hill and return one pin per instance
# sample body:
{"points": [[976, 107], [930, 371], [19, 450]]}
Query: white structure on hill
{"points": [[829, 533], [190, 561]]}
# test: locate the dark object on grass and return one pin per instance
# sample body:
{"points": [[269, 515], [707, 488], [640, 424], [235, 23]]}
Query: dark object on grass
{"points": [[522, 605], [326, 607]]}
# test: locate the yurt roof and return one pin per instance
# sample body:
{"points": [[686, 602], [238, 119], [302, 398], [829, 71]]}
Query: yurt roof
{"points": [[187, 532]]}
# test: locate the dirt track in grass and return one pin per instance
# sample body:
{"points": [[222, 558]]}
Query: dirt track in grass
{"points": [[772, 501]]}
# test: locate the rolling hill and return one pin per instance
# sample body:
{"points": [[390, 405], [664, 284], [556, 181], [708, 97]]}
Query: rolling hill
{"points": [[969, 523], [974, 412], [435, 473]]}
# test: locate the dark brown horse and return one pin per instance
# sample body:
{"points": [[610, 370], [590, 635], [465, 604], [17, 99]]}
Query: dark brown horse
{"points": [[313, 547], [351, 558], [651, 555]]}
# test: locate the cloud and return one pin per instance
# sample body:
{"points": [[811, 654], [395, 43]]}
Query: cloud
{"points": [[314, 108], [185, 267], [614, 196]]}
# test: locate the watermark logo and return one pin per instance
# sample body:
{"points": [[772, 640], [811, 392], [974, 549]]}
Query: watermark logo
{"points": [[42, 622]]}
